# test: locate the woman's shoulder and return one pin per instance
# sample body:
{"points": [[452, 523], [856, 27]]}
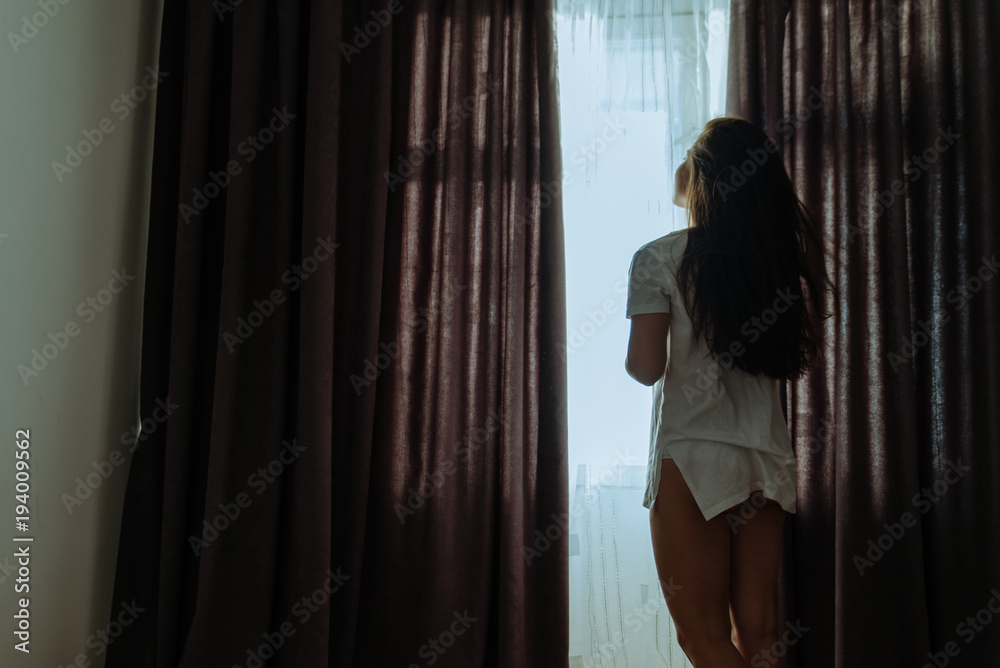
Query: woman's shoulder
{"points": [[667, 248]]}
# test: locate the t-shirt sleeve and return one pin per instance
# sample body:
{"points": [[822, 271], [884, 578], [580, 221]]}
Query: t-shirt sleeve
{"points": [[648, 284]]}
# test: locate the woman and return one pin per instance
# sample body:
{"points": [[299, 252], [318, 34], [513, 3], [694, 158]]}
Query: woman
{"points": [[721, 473]]}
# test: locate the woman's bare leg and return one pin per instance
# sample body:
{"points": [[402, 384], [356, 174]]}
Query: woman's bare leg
{"points": [[696, 555], [755, 556]]}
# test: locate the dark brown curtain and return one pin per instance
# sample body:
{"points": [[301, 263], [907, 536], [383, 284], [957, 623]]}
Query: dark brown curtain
{"points": [[354, 292], [884, 111]]}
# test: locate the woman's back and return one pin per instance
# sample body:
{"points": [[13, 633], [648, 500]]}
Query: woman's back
{"points": [[723, 426], [719, 318]]}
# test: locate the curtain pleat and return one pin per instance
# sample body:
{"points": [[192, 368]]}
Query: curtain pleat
{"points": [[882, 110], [354, 295]]}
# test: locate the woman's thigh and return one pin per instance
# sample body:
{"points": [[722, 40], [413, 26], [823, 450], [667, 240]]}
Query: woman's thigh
{"points": [[692, 558], [756, 556]]}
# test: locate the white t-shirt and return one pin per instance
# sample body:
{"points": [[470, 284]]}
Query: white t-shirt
{"points": [[722, 426]]}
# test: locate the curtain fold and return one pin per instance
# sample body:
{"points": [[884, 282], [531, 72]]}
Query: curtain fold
{"points": [[882, 110], [354, 293]]}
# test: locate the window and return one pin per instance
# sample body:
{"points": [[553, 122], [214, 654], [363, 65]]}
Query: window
{"points": [[638, 80]]}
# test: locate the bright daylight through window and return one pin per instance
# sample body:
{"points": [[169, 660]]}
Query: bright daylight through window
{"points": [[637, 82]]}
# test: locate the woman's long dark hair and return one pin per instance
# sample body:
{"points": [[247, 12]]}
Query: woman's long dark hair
{"points": [[752, 254]]}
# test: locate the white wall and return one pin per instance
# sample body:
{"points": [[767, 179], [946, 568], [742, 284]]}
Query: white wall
{"points": [[59, 242]]}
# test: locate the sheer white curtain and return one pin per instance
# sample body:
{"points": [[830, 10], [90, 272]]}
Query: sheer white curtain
{"points": [[637, 80]]}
